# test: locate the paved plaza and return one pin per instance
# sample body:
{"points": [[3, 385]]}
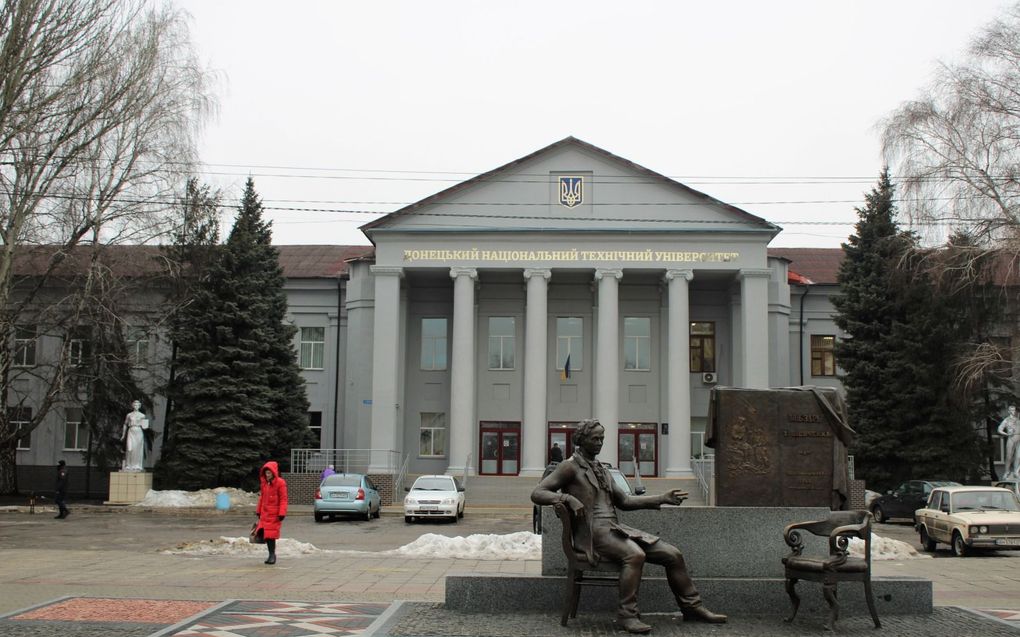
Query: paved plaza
{"points": [[85, 576]]}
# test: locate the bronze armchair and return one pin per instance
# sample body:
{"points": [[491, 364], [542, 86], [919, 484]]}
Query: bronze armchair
{"points": [[579, 571], [837, 566]]}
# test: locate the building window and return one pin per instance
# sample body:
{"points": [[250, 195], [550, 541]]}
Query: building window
{"points": [[433, 435], [20, 418], [702, 346], [313, 347], [433, 344], [569, 343], [77, 347], [637, 343], [76, 432], [823, 358], [501, 342], [138, 346], [315, 425], [24, 346]]}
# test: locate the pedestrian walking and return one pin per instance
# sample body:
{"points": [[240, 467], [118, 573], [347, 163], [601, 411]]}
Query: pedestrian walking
{"points": [[61, 491], [272, 506]]}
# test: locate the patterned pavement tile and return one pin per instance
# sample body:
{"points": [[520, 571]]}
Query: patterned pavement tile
{"points": [[1010, 616], [139, 611], [249, 618]]}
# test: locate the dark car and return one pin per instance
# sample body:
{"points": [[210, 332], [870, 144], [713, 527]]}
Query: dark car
{"points": [[902, 501], [618, 478]]}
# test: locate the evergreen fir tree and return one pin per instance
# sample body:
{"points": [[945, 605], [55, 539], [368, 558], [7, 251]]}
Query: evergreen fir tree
{"points": [[250, 248], [867, 313], [236, 400], [906, 335]]}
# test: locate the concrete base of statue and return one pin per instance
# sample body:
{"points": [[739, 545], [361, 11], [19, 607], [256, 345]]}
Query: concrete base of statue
{"points": [[129, 487]]}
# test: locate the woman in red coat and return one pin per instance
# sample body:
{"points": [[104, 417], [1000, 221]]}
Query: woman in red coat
{"points": [[272, 506]]}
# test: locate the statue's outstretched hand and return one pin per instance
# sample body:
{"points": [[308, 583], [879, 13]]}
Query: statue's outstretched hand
{"points": [[674, 496]]}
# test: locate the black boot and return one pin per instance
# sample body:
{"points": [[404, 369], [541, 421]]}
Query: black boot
{"points": [[271, 545], [271, 559]]}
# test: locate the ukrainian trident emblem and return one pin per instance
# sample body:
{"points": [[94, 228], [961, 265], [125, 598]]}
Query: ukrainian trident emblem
{"points": [[571, 191]]}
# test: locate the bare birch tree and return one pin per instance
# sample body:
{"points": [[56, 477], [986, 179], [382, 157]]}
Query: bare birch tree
{"points": [[100, 105], [955, 150]]}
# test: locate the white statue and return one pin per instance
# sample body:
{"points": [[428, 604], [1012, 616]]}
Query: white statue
{"points": [[1009, 428], [134, 438]]}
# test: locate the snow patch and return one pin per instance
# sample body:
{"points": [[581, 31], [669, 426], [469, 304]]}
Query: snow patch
{"points": [[241, 546], [522, 545], [204, 498], [883, 548]]}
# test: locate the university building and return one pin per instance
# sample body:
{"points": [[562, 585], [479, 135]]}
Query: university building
{"points": [[489, 318]]}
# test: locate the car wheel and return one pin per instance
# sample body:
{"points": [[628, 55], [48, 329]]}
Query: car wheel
{"points": [[407, 519], [319, 517], [461, 513], [960, 548], [878, 513], [927, 543], [378, 511], [368, 514]]}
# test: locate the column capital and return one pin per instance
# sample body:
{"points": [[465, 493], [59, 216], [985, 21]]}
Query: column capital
{"points": [[754, 273], [468, 272], [545, 273], [387, 270], [606, 273], [674, 274]]}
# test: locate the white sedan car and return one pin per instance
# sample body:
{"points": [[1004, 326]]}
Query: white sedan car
{"points": [[434, 496]]}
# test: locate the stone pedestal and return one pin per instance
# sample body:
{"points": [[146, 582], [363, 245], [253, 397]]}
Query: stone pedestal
{"points": [[734, 554], [129, 487]]}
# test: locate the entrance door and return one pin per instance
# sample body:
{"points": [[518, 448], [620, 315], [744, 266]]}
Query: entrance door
{"points": [[645, 442], [500, 450], [561, 434]]}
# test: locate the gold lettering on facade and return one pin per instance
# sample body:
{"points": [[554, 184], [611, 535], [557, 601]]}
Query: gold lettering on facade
{"points": [[572, 255]]}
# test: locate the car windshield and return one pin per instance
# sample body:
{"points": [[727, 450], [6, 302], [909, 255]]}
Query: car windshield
{"points": [[621, 481], [339, 480], [985, 501], [433, 484]]}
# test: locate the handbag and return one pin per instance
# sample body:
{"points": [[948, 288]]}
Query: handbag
{"points": [[256, 534]]}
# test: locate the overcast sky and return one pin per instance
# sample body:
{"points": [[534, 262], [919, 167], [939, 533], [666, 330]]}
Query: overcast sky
{"points": [[367, 106]]}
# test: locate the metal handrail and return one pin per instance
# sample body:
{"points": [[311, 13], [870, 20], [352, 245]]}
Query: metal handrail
{"points": [[398, 481], [702, 467], [345, 460]]}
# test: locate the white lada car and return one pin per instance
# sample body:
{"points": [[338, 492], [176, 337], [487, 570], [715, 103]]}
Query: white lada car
{"points": [[968, 518]]}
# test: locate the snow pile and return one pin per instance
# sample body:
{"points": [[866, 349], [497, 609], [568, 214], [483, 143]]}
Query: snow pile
{"points": [[883, 548], [241, 546], [522, 545], [204, 498]]}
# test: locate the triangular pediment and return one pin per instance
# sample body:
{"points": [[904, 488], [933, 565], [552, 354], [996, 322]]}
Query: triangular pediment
{"points": [[571, 186]]}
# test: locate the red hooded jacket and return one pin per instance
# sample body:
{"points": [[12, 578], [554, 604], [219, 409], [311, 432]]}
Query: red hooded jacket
{"points": [[272, 501]]}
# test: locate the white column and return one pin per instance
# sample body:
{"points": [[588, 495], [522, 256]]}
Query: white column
{"points": [[536, 382], [678, 442], [607, 361], [754, 325], [462, 372], [385, 367]]}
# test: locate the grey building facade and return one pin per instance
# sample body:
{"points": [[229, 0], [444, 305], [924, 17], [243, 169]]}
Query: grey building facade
{"points": [[486, 320]]}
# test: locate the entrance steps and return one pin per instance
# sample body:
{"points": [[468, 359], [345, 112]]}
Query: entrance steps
{"points": [[512, 492]]}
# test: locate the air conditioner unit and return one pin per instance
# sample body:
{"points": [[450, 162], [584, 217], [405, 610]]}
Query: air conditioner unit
{"points": [[708, 378]]}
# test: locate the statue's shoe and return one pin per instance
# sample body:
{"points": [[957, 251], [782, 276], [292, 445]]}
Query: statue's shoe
{"points": [[702, 614], [634, 625]]}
